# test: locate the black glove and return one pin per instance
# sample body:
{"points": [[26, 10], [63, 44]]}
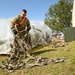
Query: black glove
{"points": [[14, 31], [28, 27]]}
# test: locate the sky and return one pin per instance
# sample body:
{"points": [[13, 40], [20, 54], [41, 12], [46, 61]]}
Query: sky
{"points": [[36, 8]]}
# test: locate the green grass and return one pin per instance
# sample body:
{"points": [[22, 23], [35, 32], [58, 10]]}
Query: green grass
{"points": [[64, 68]]}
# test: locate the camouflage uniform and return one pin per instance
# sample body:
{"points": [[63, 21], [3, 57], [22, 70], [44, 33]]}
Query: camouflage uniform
{"points": [[18, 29], [17, 20]]}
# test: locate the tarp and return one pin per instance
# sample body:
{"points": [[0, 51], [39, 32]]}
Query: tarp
{"points": [[39, 34]]}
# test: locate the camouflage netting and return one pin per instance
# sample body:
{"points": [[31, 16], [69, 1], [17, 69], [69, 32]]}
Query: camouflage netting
{"points": [[18, 46], [16, 63]]}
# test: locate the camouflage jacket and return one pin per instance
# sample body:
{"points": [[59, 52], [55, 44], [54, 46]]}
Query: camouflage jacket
{"points": [[17, 20]]}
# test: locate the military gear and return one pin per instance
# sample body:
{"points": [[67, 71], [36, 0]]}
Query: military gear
{"points": [[18, 20], [22, 21], [19, 24]]}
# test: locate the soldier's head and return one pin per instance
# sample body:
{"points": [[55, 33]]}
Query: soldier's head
{"points": [[23, 12]]}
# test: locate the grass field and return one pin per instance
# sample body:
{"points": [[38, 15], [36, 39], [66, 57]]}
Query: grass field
{"points": [[64, 68]]}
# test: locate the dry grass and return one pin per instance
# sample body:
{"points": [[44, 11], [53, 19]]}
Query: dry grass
{"points": [[65, 68]]}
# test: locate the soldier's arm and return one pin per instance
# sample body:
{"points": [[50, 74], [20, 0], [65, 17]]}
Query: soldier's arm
{"points": [[13, 22], [28, 26]]}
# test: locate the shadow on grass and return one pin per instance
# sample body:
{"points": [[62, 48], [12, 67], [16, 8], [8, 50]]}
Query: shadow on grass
{"points": [[42, 51]]}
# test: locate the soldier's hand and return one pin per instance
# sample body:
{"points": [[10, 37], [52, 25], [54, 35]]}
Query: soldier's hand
{"points": [[14, 31]]}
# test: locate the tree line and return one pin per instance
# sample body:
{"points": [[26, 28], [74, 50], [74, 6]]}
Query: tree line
{"points": [[59, 15]]}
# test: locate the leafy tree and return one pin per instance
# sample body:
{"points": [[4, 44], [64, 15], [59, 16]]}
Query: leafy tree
{"points": [[59, 15]]}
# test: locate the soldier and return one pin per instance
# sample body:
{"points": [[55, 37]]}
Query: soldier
{"points": [[20, 24]]}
